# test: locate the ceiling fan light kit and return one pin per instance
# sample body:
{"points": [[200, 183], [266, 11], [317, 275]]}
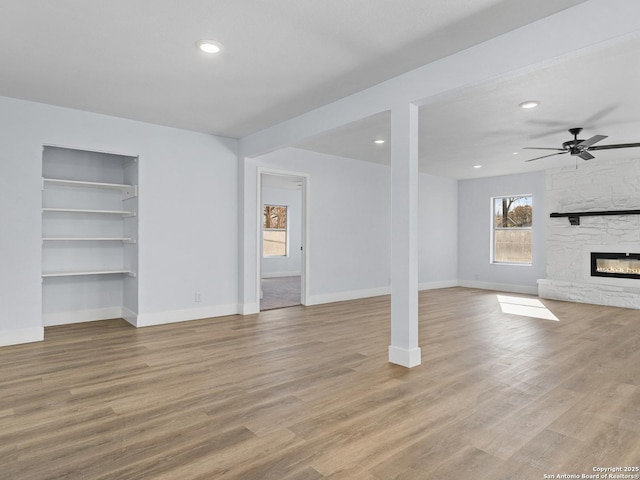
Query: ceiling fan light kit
{"points": [[580, 148]]}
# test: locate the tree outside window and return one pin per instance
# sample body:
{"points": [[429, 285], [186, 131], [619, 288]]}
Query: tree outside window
{"points": [[274, 231], [512, 227]]}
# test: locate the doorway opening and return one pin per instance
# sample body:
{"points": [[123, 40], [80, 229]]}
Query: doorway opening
{"points": [[282, 239]]}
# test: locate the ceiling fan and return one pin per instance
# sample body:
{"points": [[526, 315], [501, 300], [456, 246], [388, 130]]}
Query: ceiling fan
{"points": [[580, 148]]}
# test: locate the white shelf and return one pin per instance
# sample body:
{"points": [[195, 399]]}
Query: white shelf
{"points": [[128, 191], [88, 239], [79, 210], [89, 217], [87, 272]]}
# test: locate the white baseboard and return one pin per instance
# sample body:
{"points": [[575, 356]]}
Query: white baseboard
{"points": [[406, 358], [80, 316], [437, 285], [349, 295], [248, 308], [280, 274], [21, 335], [373, 292], [502, 287], [174, 316], [130, 316]]}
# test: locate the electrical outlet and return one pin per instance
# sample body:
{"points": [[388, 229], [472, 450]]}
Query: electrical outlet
{"points": [[198, 297]]}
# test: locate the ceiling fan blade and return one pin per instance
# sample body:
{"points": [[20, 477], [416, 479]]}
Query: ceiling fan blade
{"points": [[618, 145], [590, 141], [599, 115], [544, 134], [548, 123], [543, 148], [585, 155], [545, 156]]}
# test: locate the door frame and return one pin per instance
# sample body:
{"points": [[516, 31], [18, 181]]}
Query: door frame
{"points": [[304, 260]]}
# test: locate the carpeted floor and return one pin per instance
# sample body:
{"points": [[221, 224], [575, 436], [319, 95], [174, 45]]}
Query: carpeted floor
{"points": [[280, 292]]}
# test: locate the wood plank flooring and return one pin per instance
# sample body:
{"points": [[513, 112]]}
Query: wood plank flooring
{"points": [[307, 393]]}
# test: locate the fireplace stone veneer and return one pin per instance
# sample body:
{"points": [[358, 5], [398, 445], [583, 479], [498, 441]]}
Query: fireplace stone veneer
{"points": [[593, 187]]}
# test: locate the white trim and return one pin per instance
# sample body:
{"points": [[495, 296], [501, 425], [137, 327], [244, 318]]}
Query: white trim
{"points": [[305, 258], [501, 287], [90, 149], [405, 358], [175, 316], [286, 230], [305, 266], [130, 316], [259, 248], [80, 316], [492, 239], [280, 274], [21, 335], [512, 264], [437, 285], [249, 309], [373, 292], [348, 295]]}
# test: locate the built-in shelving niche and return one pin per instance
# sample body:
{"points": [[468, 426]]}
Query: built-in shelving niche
{"points": [[89, 235]]}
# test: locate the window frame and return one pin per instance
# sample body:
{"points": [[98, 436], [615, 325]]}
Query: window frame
{"points": [[494, 228], [285, 230]]}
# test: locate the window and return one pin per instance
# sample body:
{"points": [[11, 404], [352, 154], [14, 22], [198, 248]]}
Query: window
{"points": [[512, 221], [274, 231]]}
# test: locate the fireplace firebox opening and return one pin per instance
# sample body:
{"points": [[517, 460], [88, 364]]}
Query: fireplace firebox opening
{"points": [[618, 265]]}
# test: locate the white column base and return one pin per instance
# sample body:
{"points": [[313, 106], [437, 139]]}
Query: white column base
{"points": [[406, 358]]}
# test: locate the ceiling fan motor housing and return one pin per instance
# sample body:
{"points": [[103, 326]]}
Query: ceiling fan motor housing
{"points": [[572, 146]]}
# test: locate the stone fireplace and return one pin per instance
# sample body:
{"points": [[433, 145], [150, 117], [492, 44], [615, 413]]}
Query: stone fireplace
{"points": [[598, 260]]}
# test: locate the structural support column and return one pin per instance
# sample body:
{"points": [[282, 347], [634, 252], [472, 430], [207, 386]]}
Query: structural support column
{"points": [[404, 349]]}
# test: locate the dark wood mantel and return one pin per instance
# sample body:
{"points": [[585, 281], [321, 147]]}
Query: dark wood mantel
{"points": [[574, 217]]}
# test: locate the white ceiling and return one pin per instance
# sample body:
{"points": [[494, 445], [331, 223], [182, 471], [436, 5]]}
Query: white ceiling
{"points": [[137, 59], [597, 90]]}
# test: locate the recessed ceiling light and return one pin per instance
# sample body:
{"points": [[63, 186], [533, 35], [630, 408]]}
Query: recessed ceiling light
{"points": [[378, 141], [477, 166], [209, 46], [530, 104], [516, 153]]}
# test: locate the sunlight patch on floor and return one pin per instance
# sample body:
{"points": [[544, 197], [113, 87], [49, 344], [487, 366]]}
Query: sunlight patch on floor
{"points": [[525, 307]]}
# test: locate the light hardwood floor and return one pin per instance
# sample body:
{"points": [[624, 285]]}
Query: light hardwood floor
{"points": [[307, 393]]}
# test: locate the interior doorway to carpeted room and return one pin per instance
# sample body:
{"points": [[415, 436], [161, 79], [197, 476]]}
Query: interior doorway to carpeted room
{"points": [[282, 238], [280, 292]]}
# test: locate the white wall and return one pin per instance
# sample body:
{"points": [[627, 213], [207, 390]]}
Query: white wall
{"points": [[187, 213], [188, 217], [349, 241], [474, 233], [350, 244], [438, 232], [291, 263]]}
